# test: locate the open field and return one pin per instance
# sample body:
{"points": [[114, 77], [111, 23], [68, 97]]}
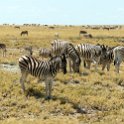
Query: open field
{"points": [[89, 98]]}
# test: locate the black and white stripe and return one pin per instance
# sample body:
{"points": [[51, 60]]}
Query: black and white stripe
{"points": [[90, 53], [45, 70], [45, 53], [59, 47], [107, 60], [3, 48], [118, 56]]}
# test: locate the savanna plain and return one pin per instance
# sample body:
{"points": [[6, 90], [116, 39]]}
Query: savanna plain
{"points": [[92, 97]]}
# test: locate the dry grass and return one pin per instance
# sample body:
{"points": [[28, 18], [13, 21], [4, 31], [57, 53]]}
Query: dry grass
{"points": [[92, 97]]}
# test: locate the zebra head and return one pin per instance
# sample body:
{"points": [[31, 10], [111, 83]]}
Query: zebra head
{"points": [[103, 50], [59, 62]]}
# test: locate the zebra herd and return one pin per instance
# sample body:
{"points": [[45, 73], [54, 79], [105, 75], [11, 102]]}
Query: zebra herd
{"points": [[62, 52]]}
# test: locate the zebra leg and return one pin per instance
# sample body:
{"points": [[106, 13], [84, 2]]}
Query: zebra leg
{"points": [[23, 79], [50, 87], [48, 83], [117, 65], [84, 64], [108, 67], [103, 67], [88, 64], [70, 65]]}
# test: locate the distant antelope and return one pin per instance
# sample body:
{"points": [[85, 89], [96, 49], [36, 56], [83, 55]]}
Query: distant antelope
{"points": [[18, 27], [3, 48], [24, 33], [82, 32]]}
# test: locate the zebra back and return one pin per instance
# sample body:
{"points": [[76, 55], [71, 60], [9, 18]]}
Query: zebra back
{"points": [[39, 68], [44, 52]]}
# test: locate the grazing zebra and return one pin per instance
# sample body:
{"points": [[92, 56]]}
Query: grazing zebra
{"points": [[45, 70], [3, 48], [45, 53], [107, 60], [118, 57], [28, 50], [24, 33], [90, 53], [69, 50], [57, 46]]}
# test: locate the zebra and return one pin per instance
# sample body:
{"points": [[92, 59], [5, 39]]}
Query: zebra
{"points": [[24, 33], [67, 48], [118, 57], [45, 52], [108, 59], [57, 46], [45, 70], [3, 48], [90, 53]]}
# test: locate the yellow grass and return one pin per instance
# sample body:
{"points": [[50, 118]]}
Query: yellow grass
{"points": [[97, 98]]}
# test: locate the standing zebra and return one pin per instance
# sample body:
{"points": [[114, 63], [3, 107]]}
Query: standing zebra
{"points": [[118, 56], [59, 47], [90, 53], [45, 52], [3, 48], [106, 60], [46, 70]]}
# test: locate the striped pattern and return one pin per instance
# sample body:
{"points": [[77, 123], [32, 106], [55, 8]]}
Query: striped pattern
{"points": [[69, 50], [28, 50], [90, 53], [45, 70], [118, 57], [107, 60], [58, 46], [73, 55], [45, 52], [3, 48]]}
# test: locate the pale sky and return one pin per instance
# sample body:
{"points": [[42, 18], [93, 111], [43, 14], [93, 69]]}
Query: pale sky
{"points": [[69, 12]]}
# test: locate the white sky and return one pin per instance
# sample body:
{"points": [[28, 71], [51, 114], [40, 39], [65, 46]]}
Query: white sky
{"points": [[75, 12]]}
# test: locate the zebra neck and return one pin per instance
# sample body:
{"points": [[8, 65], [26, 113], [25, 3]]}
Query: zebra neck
{"points": [[53, 68]]}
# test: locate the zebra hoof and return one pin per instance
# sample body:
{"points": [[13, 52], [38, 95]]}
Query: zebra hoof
{"points": [[48, 98]]}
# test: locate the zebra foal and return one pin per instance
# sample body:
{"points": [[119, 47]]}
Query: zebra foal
{"points": [[45, 70]]}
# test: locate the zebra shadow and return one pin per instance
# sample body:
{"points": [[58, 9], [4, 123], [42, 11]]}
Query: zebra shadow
{"points": [[63, 100], [34, 92]]}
